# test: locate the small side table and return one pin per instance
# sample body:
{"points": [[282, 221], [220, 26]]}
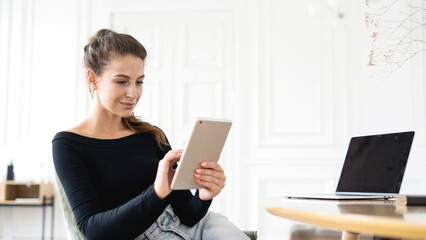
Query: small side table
{"points": [[29, 194]]}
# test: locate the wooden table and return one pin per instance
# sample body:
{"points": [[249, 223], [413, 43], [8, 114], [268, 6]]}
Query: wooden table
{"points": [[376, 217], [28, 194]]}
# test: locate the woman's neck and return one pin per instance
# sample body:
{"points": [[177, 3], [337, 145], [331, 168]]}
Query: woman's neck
{"points": [[102, 126]]}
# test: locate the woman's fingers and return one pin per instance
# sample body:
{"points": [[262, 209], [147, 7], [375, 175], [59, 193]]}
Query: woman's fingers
{"points": [[216, 189], [212, 165], [212, 177], [173, 155], [211, 169], [169, 160], [166, 172], [211, 173], [220, 182]]}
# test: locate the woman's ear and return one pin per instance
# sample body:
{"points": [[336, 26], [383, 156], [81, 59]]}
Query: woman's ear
{"points": [[91, 79]]}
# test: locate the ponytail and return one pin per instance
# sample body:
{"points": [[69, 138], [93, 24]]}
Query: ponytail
{"points": [[135, 124]]}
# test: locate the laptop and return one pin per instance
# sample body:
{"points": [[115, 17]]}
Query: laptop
{"points": [[373, 169]]}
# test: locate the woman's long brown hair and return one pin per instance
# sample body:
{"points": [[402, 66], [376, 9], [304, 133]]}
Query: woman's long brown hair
{"points": [[98, 52]]}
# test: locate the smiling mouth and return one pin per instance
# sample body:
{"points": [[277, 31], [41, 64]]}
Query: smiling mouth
{"points": [[128, 105]]}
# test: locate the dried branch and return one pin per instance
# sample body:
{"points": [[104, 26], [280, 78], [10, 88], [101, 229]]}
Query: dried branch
{"points": [[397, 34]]}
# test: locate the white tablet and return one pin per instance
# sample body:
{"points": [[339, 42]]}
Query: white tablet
{"points": [[204, 145]]}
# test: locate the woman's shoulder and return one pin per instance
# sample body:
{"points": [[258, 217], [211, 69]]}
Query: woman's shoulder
{"points": [[67, 136], [89, 139], [71, 133], [84, 131], [75, 135]]}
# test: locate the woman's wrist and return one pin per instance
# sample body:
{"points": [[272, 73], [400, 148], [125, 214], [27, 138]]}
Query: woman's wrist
{"points": [[161, 194], [197, 194], [158, 193]]}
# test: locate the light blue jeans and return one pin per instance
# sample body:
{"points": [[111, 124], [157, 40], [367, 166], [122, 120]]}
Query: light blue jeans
{"points": [[212, 226]]}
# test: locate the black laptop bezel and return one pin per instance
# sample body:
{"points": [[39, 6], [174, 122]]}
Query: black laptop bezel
{"points": [[409, 135]]}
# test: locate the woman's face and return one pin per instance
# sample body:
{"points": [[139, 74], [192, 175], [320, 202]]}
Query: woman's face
{"points": [[119, 87]]}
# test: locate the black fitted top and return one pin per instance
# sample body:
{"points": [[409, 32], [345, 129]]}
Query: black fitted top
{"points": [[110, 185]]}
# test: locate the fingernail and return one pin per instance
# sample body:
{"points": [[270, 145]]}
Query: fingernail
{"points": [[203, 164]]}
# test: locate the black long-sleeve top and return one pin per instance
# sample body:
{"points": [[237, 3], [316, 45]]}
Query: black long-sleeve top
{"points": [[110, 185]]}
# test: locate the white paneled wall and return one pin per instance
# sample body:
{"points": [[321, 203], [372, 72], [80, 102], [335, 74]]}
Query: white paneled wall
{"points": [[192, 68], [294, 81], [39, 94]]}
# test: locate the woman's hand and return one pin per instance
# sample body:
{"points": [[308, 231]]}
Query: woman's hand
{"points": [[212, 177], [165, 173]]}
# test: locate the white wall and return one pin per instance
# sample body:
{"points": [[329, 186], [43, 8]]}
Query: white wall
{"points": [[39, 89], [295, 84]]}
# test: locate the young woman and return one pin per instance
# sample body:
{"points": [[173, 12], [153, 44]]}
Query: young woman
{"points": [[116, 170]]}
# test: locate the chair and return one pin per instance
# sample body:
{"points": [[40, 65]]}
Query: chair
{"points": [[73, 233], [251, 234]]}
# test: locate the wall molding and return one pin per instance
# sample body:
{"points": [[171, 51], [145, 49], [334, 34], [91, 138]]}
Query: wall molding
{"points": [[321, 131], [5, 22]]}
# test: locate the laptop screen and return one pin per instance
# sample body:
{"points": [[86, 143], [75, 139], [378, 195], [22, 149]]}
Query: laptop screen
{"points": [[375, 164]]}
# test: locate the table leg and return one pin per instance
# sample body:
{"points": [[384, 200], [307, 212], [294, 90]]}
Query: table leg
{"points": [[53, 220], [350, 236], [43, 221]]}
